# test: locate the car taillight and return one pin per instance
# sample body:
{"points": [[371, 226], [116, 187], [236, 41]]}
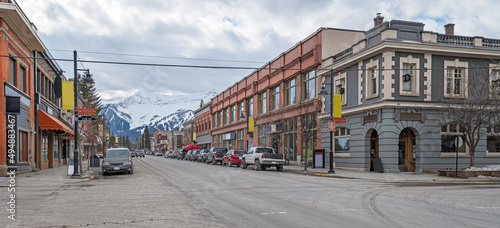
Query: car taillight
{"points": [[262, 155], [215, 154]]}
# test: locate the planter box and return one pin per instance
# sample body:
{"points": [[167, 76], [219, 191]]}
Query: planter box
{"points": [[467, 174]]}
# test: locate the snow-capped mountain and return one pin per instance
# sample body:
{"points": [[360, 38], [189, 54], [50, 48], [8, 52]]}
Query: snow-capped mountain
{"points": [[129, 116]]}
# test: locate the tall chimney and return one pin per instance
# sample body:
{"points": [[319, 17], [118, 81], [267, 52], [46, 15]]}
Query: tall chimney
{"points": [[378, 20], [449, 29]]}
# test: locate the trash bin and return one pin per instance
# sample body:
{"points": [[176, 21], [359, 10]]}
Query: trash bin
{"points": [[95, 161]]}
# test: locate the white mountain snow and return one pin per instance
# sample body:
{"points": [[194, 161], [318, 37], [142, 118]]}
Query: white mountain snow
{"points": [[128, 116]]}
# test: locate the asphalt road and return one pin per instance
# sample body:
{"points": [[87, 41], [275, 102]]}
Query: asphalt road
{"points": [[172, 193]]}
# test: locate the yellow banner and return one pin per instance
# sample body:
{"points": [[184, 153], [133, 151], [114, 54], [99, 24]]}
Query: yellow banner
{"points": [[250, 124], [68, 96], [194, 136], [100, 129], [116, 139], [337, 105]]}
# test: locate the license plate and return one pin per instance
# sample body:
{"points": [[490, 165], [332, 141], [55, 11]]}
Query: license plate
{"points": [[116, 168], [273, 162]]}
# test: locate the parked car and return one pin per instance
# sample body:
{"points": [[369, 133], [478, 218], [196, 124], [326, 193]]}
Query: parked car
{"points": [[194, 155], [215, 155], [174, 154], [202, 155], [117, 160], [188, 155], [262, 158], [139, 153], [133, 154], [233, 157], [181, 155], [158, 153]]}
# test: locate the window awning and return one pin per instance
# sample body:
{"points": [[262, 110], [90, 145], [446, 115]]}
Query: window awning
{"points": [[50, 123]]}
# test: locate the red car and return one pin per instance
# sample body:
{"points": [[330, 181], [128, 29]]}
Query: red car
{"points": [[233, 157]]}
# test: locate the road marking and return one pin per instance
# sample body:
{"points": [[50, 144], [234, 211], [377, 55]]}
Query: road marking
{"points": [[487, 207], [273, 213], [347, 209]]}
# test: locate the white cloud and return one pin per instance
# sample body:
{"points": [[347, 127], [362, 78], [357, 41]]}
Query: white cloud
{"points": [[219, 29]]}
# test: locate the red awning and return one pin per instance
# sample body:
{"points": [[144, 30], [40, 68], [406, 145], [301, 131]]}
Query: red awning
{"points": [[50, 123], [192, 147]]}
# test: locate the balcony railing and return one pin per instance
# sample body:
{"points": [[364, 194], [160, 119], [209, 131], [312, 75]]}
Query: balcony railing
{"points": [[342, 54], [491, 43], [457, 40]]}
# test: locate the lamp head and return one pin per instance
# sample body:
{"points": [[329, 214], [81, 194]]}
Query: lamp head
{"points": [[88, 80], [323, 90]]}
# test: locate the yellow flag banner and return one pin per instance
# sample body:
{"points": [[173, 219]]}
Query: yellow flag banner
{"points": [[250, 124], [68, 96], [337, 105], [194, 136], [100, 130]]}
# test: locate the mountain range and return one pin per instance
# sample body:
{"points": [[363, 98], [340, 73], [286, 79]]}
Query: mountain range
{"points": [[130, 115]]}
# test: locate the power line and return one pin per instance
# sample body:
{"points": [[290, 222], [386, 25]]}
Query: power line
{"points": [[226, 67], [160, 57]]}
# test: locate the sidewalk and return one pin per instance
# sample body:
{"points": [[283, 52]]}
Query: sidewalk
{"points": [[384, 177]]}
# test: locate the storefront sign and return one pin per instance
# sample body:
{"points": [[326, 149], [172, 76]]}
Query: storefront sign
{"points": [[12, 139], [229, 136]]}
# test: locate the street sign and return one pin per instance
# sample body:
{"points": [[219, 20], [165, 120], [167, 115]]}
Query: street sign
{"points": [[86, 118], [87, 111], [331, 126], [339, 120]]}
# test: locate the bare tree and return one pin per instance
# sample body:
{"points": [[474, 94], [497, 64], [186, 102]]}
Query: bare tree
{"points": [[478, 110]]}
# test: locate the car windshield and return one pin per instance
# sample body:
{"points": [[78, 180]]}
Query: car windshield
{"points": [[239, 152], [117, 154]]}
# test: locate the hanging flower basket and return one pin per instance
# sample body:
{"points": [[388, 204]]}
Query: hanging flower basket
{"points": [[341, 90], [407, 77]]}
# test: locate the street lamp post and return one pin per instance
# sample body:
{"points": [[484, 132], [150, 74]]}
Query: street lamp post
{"points": [[89, 81], [324, 92]]}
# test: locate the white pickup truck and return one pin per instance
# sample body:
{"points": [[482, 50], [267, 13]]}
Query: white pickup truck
{"points": [[262, 158]]}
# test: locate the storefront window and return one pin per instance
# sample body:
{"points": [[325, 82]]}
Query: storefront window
{"points": [[342, 140], [452, 139], [45, 147], [56, 147]]}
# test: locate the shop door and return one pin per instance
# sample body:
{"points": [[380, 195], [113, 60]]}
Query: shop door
{"points": [[374, 153], [276, 142], [406, 151]]}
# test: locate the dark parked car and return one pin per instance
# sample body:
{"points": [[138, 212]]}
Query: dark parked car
{"points": [[233, 157], [202, 155], [117, 160], [139, 153], [133, 154], [216, 154]]}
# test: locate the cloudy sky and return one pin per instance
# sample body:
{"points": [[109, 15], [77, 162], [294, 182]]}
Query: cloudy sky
{"points": [[237, 33]]}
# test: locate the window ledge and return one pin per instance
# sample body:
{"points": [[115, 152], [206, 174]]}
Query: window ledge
{"points": [[493, 155], [342, 155], [409, 94], [372, 96], [454, 96], [452, 155]]}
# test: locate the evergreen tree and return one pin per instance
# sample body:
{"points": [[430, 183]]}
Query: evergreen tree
{"points": [[127, 142], [146, 136]]}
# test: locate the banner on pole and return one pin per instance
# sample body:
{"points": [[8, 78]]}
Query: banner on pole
{"points": [[68, 96]]}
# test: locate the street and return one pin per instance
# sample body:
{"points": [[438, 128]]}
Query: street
{"points": [[174, 193]]}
